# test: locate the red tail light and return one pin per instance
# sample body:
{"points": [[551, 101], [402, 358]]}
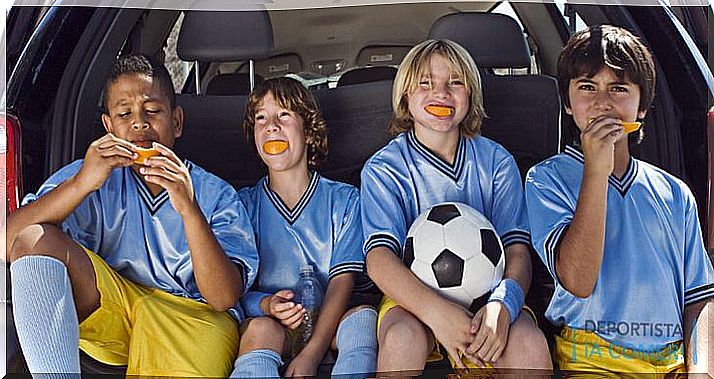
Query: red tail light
{"points": [[710, 199], [11, 162]]}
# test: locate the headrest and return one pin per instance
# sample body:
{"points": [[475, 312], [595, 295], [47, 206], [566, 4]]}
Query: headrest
{"points": [[493, 40], [382, 55], [235, 83], [366, 75], [217, 36], [279, 65]]}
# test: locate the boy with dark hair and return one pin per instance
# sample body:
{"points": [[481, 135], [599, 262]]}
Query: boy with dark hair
{"points": [[604, 222], [134, 263]]}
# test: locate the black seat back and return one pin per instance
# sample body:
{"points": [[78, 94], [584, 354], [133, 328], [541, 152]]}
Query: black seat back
{"points": [[357, 118], [234, 83], [213, 136]]}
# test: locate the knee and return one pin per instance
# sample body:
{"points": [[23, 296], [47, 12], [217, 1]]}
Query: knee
{"points": [[528, 345], [35, 239], [263, 333], [407, 334]]}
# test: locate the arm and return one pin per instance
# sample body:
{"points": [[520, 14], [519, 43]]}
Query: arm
{"points": [[103, 156], [219, 280], [579, 256], [492, 322], [698, 327], [449, 322], [333, 308]]}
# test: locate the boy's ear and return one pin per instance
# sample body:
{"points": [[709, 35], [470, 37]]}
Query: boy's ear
{"points": [[177, 117], [568, 110], [107, 122], [641, 114]]}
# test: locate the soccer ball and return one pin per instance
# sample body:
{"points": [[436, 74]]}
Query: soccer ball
{"points": [[455, 250]]}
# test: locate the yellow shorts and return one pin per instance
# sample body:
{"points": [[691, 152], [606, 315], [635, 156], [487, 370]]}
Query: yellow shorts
{"points": [[155, 333], [584, 351], [436, 355]]}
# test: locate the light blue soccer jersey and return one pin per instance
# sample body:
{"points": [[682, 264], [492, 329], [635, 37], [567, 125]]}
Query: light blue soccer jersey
{"points": [[323, 230], [654, 261], [405, 178], [142, 236]]}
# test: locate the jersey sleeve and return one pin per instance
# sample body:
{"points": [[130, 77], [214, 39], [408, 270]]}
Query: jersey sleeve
{"points": [[347, 251], [698, 273], [84, 224], [550, 214], [510, 217], [232, 227], [382, 209]]}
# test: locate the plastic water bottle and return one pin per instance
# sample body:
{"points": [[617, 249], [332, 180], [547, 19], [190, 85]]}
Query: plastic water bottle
{"points": [[309, 294]]}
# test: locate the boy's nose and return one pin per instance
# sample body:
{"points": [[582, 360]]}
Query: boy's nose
{"points": [[140, 123], [440, 90], [603, 100], [272, 126]]}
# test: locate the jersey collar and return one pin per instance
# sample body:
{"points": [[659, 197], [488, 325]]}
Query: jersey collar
{"points": [[453, 171], [622, 185], [291, 215], [153, 203]]}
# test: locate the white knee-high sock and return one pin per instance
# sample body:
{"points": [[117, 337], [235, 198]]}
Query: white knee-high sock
{"points": [[357, 345], [45, 315], [261, 363]]}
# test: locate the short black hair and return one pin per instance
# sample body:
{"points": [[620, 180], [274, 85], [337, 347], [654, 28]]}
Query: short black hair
{"points": [[138, 64]]}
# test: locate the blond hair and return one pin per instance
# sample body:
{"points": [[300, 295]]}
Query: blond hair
{"points": [[416, 63]]}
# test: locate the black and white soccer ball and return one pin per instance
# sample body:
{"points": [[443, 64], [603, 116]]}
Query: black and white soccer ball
{"points": [[455, 250]]}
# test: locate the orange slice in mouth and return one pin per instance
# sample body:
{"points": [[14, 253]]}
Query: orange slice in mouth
{"points": [[275, 147], [631, 126], [439, 111], [144, 154]]}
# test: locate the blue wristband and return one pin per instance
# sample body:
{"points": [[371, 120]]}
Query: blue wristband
{"points": [[510, 293]]}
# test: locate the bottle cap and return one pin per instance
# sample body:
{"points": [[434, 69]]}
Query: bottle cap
{"points": [[306, 269]]}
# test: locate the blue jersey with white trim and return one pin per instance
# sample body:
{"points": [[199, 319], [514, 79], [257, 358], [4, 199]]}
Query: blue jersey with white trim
{"points": [[323, 230], [142, 237], [654, 260], [405, 178]]}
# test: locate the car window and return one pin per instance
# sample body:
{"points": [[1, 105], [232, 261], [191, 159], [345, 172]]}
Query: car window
{"points": [[178, 69], [569, 15], [505, 8]]}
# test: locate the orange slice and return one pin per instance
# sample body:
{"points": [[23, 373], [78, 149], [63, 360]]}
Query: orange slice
{"points": [[275, 147], [144, 154], [631, 126], [439, 111]]}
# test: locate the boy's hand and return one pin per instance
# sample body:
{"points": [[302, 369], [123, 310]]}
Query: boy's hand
{"points": [[598, 141], [451, 325], [169, 172], [286, 311], [304, 364], [103, 156], [490, 324]]}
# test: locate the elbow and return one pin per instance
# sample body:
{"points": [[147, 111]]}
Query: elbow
{"points": [[221, 305], [579, 288], [225, 302]]}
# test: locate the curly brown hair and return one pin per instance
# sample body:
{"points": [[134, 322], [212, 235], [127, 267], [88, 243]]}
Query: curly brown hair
{"points": [[292, 95], [416, 63]]}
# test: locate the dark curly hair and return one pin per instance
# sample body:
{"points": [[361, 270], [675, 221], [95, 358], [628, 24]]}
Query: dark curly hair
{"points": [[138, 64], [292, 95]]}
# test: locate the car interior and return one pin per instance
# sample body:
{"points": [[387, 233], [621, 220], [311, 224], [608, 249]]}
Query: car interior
{"points": [[348, 57]]}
